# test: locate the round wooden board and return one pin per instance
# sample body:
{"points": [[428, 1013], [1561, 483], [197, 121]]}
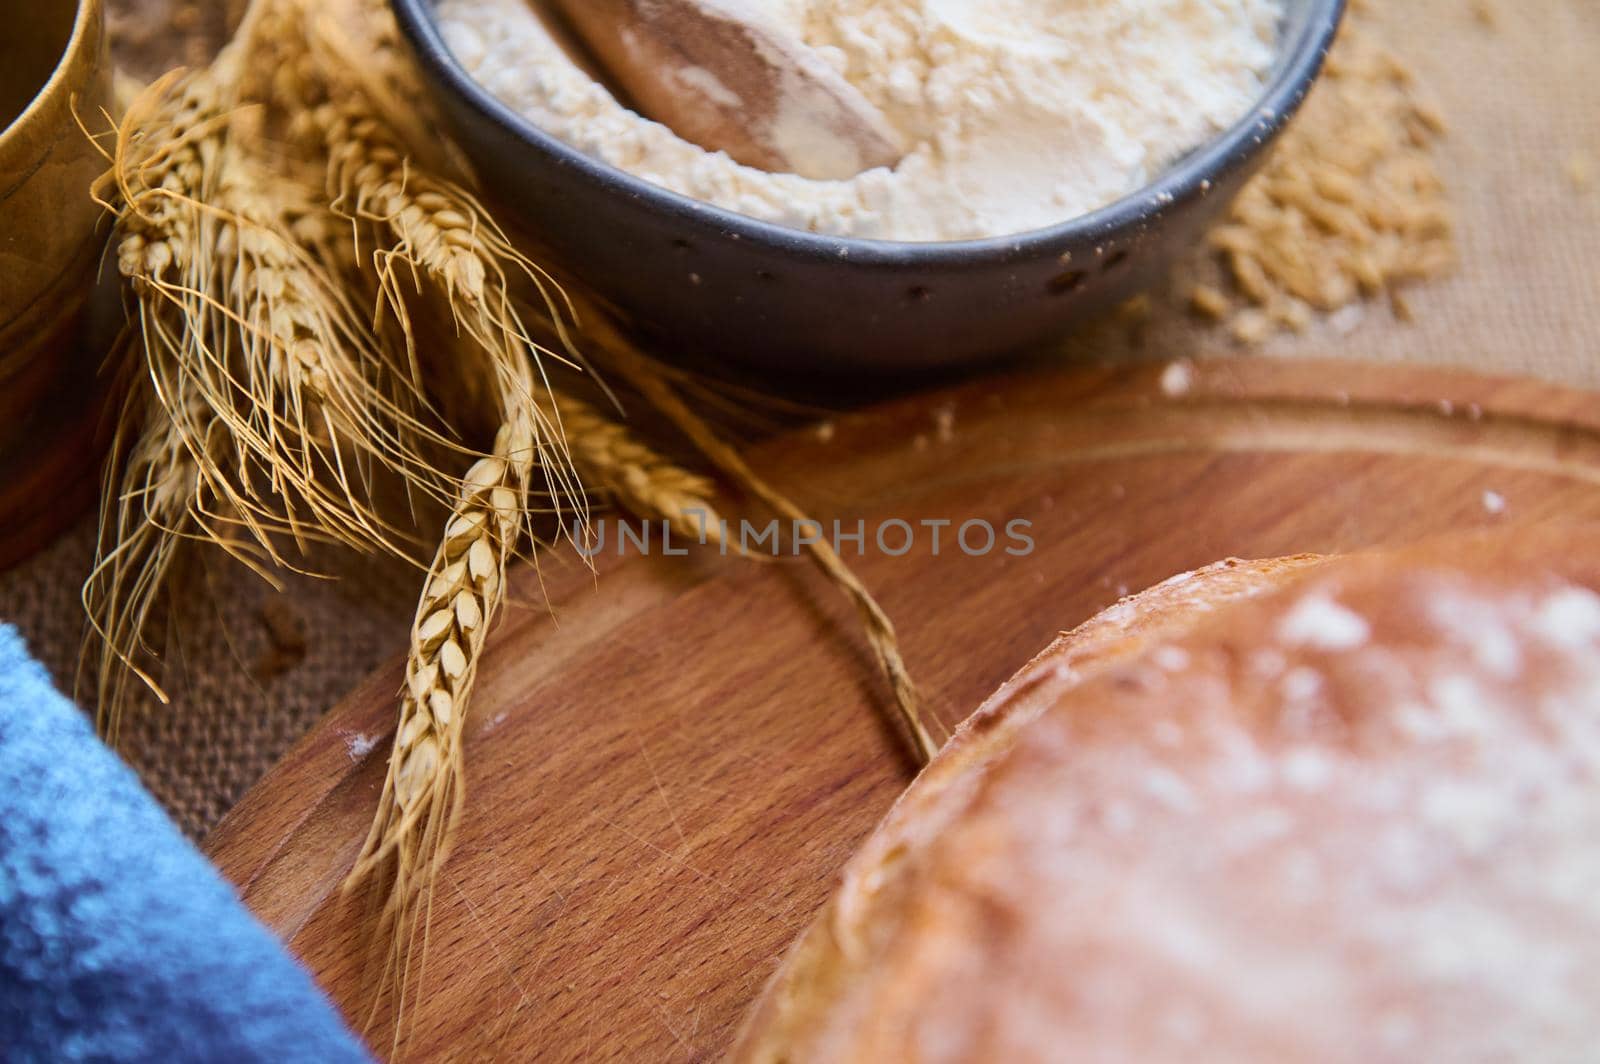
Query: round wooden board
{"points": [[668, 771]]}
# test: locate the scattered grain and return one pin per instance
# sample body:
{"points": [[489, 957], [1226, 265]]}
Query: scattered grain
{"points": [[1349, 207], [1210, 302], [285, 630], [1580, 170], [1177, 379]]}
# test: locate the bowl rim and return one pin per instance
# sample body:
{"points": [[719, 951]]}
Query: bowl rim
{"points": [[1191, 177], [87, 11]]}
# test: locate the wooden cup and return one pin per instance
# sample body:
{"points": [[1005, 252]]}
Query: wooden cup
{"points": [[54, 73]]}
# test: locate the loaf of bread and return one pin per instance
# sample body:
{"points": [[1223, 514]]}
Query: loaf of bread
{"points": [[1308, 809]]}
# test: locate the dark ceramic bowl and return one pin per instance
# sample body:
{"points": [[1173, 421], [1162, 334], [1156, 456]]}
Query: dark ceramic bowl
{"points": [[712, 282]]}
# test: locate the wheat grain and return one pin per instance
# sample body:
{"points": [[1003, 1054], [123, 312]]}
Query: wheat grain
{"points": [[1349, 206], [1208, 301]]}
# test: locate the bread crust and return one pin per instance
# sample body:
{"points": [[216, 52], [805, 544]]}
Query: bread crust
{"points": [[952, 893], [833, 950]]}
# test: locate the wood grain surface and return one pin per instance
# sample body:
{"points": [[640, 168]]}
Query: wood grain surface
{"points": [[668, 766]]}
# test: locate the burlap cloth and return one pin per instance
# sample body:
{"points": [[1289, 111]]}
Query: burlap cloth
{"points": [[1516, 79]]}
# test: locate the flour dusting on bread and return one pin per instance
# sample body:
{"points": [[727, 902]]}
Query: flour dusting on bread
{"points": [[1349, 816]]}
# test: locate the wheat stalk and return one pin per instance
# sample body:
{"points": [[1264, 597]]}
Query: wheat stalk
{"points": [[305, 387], [431, 238], [655, 386], [426, 244], [153, 483], [464, 592], [272, 397], [639, 478], [237, 316]]}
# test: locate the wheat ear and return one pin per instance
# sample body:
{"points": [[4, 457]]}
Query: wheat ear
{"points": [[424, 225], [313, 399], [655, 386], [148, 507], [426, 244], [429, 237], [227, 294], [639, 478], [423, 791], [259, 366], [153, 481]]}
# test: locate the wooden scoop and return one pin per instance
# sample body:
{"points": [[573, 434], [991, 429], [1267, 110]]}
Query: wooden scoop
{"points": [[728, 82]]}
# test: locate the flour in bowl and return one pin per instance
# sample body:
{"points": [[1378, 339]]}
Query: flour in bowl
{"points": [[1018, 113]]}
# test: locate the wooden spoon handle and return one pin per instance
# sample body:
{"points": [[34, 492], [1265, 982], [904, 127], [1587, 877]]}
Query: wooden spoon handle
{"points": [[728, 83]]}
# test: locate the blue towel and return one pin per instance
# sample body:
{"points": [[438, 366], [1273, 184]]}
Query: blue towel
{"points": [[118, 941]]}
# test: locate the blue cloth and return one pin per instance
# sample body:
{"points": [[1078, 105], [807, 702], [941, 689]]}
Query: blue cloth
{"points": [[118, 941]]}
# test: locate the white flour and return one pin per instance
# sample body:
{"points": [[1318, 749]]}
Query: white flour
{"points": [[1020, 113]]}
